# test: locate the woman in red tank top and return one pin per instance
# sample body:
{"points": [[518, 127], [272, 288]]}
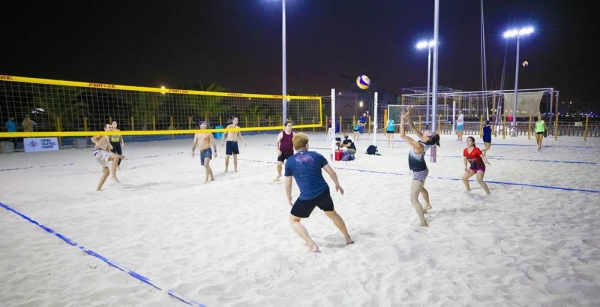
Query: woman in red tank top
{"points": [[475, 158]]}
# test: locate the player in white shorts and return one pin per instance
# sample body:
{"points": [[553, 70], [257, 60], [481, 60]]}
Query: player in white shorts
{"points": [[103, 155]]}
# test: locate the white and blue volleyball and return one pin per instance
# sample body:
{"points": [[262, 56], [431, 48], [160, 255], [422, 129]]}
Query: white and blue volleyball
{"points": [[363, 82]]}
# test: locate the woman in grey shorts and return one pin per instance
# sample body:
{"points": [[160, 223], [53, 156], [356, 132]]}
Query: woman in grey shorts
{"points": [[416, 163]]}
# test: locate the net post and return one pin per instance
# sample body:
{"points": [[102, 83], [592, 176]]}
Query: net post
{"points": [[153, 123], [504, 127], [375, 108], [110, 119], [59, 129], [258, 123], [85, 125], [585, 131], [302, 122], [420, 125], [132, 124], [481, 126], [246, 120], [172, 127], [556, 121], [385, 121], [220, 121], [313, 122], [332, 154], [529, 129]]}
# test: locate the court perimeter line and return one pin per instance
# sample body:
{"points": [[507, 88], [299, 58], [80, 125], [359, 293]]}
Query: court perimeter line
{"points": [[487, 181], [135, 275]]}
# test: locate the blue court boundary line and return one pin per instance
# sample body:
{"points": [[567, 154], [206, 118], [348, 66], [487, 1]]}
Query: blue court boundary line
{"points": [[531, 160], [398, 174], [507, 159], [135, 275], [481, 143], [487, 181], [69, 164]]}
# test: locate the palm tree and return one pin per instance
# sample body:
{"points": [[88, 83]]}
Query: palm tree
{"points": [[146, 106], [208, 106], [53, 102]]}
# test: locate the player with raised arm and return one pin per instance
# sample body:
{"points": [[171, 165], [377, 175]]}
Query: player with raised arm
{"points": [[416, 163]]}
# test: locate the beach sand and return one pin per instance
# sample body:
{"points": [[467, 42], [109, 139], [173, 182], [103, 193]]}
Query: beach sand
{"points": [[535, 241]]}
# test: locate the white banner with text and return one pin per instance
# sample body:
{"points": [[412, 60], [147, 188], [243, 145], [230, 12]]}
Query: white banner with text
{"points": [[40, 144]]}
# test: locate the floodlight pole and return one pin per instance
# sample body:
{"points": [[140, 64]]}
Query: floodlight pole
{"points": [[436, 27], [514, 123], [428, 82], [284, 65]]}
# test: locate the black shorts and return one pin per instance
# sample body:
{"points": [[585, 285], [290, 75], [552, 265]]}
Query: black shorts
{"points": [[284, 156], [232, 148], [540, 132], [390, 131], [487, 140], [303, 208]]}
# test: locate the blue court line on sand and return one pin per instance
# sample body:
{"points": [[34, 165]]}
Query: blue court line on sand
{"points": [[487, 181], [66, 164], [531, 160], [135, 275], [507, 159]]}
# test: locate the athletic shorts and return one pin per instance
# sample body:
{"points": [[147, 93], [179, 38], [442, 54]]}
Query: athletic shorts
{"points": [[459, 127], [101, 157], [487, 140], [542, 132], [232, 148], [390, 131], [284, 156], [477, 168], [206, 153], [420, 175], [303, 208]]}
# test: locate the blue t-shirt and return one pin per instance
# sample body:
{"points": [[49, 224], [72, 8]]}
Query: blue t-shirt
{"points": [[305, 167], [11, 126]]}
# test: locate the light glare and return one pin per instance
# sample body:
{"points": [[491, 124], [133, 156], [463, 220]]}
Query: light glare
{"points": [[518, 32]]}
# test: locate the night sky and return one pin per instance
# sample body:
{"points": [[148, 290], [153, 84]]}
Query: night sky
{"points": [[237, 44]]}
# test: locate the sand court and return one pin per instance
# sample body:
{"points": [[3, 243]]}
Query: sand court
{"points": [[535, 240]]}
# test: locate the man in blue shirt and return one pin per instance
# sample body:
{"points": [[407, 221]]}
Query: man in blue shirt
{"points": [[305, 166], [11, 126]]}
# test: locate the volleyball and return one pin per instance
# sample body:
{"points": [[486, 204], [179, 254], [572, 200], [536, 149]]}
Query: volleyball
{"points": [[363, 82], [525, 63]]}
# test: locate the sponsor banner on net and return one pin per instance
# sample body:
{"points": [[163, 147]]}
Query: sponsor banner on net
{"points": [[40, 144]]}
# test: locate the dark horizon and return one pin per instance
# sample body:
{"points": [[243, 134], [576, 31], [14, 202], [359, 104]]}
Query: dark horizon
{"points": [[238, 44]]}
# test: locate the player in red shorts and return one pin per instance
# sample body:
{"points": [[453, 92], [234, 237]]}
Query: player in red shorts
{"points": [[475, 158]]}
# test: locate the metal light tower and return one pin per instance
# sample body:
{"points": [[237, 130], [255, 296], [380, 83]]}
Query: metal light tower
{"points": [[422, 45], [284, 65], [510, 34]]}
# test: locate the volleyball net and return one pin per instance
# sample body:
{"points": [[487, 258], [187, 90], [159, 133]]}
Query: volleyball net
{"points": [[70, 108]]}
